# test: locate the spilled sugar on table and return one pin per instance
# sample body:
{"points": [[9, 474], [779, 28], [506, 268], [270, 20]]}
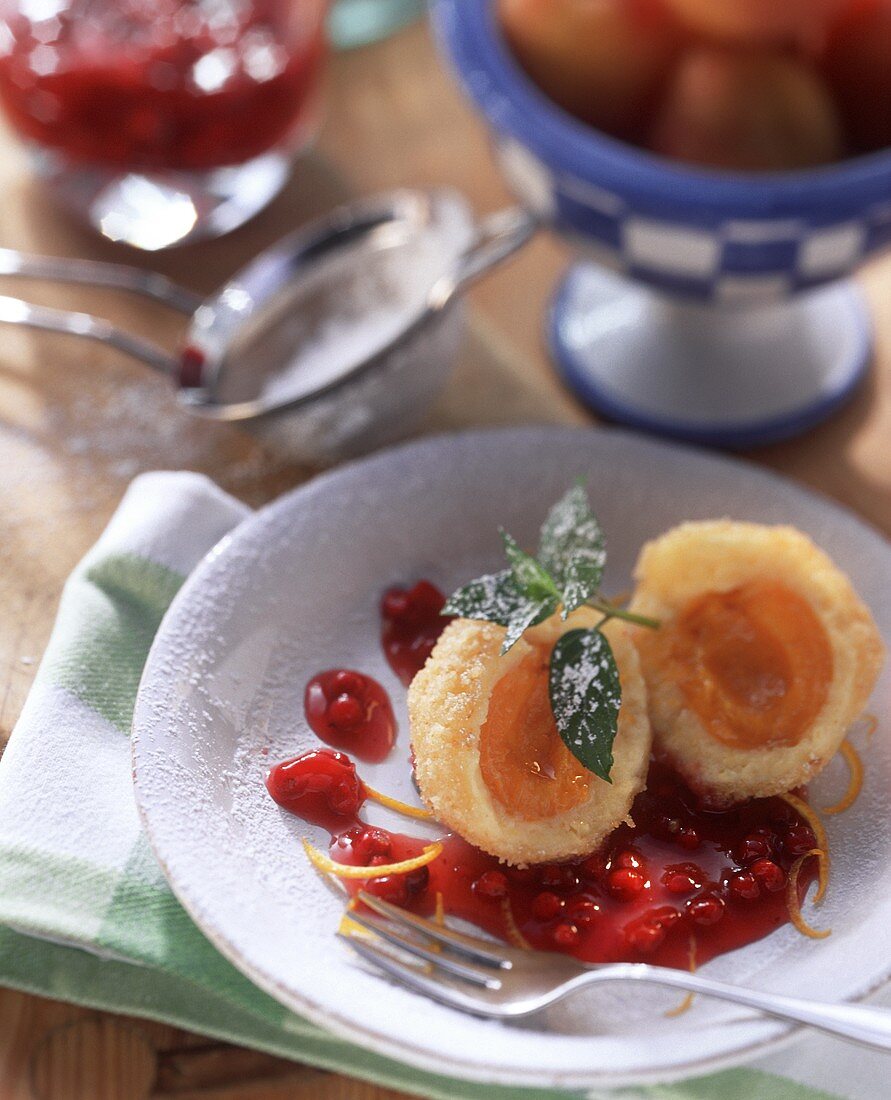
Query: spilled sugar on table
{"points": [[77, 423]]}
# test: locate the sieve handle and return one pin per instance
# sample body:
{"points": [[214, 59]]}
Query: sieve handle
{"points": [[14, 311], [58, 269], [498, 237]]}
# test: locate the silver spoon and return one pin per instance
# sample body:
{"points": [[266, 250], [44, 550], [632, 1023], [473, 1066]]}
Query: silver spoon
{"points": [[344, 324]]}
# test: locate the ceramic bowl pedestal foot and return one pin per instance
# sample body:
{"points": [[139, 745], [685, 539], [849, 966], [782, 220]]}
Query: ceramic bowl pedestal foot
{"points": [[730, 376]]}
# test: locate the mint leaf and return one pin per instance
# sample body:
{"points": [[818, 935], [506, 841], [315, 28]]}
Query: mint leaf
{"points": [[530, 614], [533, 580], [494, 598], [572, 548], [585, 698]]}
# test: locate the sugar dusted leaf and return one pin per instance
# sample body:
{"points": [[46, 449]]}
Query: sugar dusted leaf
{"points": [[494, 598], [585, 697], [531, 613], [572, 548], [533, 580]]}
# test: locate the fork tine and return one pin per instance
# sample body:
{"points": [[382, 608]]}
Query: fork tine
{"points": [[412, 947], [481, 951], [415, 979]]}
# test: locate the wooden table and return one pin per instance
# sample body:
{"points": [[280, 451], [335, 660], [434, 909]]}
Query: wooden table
{"points": [[76, 425]]}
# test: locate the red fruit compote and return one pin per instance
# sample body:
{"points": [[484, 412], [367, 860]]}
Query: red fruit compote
{"points": [[158, 86], [188, 84], [686, 882]]}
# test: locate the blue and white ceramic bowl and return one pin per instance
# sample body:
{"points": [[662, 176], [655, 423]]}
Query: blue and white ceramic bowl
{"points": [[726, 318], [721, 237]]}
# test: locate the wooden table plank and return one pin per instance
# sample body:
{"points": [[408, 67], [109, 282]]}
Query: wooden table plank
{"points": [[76, 425]]}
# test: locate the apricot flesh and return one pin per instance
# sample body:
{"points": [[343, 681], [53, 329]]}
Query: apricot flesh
{"points": [[601, 60], [523, 761], [754, 663], [750, 111]]}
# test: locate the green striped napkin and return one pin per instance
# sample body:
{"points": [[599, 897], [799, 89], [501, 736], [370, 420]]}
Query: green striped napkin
{"points": [[85, 914]]}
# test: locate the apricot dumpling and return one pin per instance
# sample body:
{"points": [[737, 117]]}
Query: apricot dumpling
{"points": [[488, 758], [764, 658]]}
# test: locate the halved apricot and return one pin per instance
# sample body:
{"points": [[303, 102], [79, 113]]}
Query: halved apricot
{"points": [[523, 761], [754, 663]]}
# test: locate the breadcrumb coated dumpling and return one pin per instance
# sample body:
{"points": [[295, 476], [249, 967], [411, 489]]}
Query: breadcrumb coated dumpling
{"points": [[488, 759], [765, 656]]}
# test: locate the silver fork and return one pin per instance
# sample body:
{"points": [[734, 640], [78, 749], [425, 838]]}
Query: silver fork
{"points": [[491, 979]]}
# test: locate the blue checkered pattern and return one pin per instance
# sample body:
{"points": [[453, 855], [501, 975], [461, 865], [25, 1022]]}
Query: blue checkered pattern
{"points": [[698, 253]]}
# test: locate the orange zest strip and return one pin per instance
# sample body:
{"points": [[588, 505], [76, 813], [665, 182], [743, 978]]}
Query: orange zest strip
{"points": [[687, 1003], [822, 850], [395, 804], [679, 1009], [438, 918], [324, 863], [855, 785], [514, 934], [793, 903], [348, 927]]}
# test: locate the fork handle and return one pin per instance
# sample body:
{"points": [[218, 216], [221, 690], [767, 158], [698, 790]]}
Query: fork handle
{"points": [[862, 1023]]}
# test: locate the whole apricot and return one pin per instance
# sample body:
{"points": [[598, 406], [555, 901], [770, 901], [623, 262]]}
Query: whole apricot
{"points": [[601, 60], [800, 21], [858, 68], [751, 111]]}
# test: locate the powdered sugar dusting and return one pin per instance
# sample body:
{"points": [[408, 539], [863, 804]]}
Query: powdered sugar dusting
{"points": [[307, 575], [492, 597], [586, 695], [573, 548]]}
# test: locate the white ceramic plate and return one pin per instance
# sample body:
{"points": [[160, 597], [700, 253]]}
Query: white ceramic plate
{"points": [[295, 591]]}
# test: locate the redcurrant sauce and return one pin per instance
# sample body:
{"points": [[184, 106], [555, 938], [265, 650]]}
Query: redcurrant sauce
{"points": [[411, 623], [683, 885], [165, 85], [321, 786], [351, 711]]}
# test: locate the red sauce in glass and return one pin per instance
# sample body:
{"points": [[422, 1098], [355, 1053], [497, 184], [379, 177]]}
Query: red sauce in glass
{"points": [[411, 623], [351, 711], [175, 84], [685, 882], [321, 786]]}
